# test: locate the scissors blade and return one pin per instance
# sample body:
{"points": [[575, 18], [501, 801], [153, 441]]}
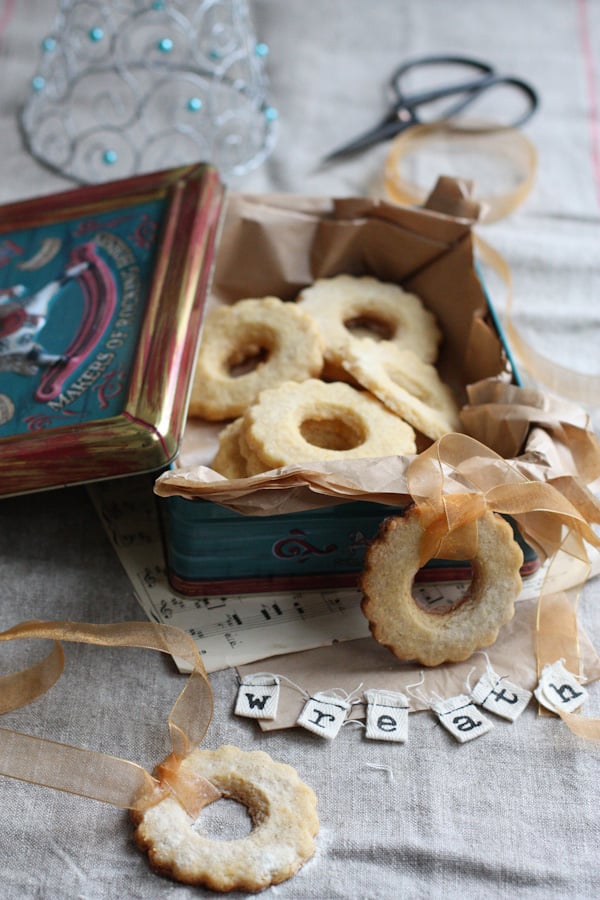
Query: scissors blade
{"points": [[387, 129]]}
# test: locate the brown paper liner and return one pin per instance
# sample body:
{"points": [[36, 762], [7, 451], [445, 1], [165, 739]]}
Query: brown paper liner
{"points": [[98, 775]]}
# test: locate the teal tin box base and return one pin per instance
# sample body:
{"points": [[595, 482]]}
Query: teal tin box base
{"points": [[213, 550]]}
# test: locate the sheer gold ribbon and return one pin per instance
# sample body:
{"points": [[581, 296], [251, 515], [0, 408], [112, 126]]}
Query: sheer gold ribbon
{"points": [[486, 139], [98, 775], [457, 479]]}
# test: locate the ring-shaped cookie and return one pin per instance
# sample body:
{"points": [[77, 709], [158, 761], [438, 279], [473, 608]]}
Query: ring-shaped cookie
{"points": [[277, 340], [316, 420], [348, 309], [282, 809], [413, 633], [405, 384]]}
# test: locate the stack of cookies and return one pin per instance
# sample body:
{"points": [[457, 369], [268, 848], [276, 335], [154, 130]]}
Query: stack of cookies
{"points": [[346, 371]]}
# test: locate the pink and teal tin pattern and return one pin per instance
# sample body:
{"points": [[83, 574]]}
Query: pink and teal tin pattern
{"points": [[212, 550], [72, 302], [102, 292]]}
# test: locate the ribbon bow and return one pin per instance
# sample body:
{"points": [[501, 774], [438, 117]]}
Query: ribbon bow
{"points": [[97, 775], [457, 479]]}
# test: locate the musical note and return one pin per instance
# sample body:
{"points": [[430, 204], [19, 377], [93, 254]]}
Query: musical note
{"points": [[165, 610]]}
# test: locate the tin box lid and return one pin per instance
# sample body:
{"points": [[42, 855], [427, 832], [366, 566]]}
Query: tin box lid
{"points": [[102, 294]]}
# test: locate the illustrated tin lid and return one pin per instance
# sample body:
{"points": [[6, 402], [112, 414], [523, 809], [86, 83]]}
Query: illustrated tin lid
{"points": [[102, 293]]}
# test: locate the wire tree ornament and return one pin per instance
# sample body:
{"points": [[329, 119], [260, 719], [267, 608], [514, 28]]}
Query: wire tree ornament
{"points": [[134, 86]]}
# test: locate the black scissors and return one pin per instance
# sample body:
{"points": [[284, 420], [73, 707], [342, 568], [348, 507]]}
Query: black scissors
{"points": [[403, 113]]}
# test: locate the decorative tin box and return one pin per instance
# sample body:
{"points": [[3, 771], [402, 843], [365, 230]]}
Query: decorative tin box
{"points": [[277, 245], [102, 291]]}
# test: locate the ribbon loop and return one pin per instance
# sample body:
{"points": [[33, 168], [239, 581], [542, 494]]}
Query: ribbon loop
{"points": [[451, 531], [98, 775], [20, 688], [457, 479]]}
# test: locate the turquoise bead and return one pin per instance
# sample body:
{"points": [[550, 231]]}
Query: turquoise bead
{"points": [[38, 83], [271, 114], [48, 44], [165, 45], [109, 157], [194, 104], [261, 49], [96, 34]]}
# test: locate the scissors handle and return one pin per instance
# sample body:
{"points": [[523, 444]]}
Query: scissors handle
{"points": [[466, 91], [436, 60], [404, 110]]}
